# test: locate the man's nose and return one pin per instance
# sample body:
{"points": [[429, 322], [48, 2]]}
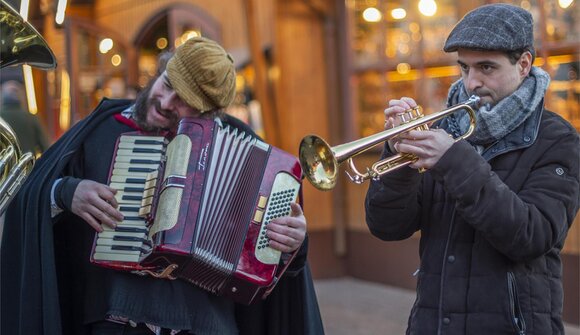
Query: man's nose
{"points": [[169, 101], [473, 81]]}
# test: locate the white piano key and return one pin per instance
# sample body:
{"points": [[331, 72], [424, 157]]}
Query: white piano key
{"points": [[133, 138], [131, 153], [126, 172], [110, 241], [103, 256], [112, 234]]}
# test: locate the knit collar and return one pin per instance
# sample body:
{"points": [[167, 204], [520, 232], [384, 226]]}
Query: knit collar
{"points": [[495, 123]]}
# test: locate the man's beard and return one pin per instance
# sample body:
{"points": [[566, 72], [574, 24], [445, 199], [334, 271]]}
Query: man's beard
{"points": [[142, 106]]}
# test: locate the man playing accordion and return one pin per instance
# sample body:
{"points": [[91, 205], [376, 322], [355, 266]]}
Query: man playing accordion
{"points": [[49, 285]]}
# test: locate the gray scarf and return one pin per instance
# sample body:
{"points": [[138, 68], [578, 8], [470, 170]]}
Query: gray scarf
{"points": [[496, 122]]}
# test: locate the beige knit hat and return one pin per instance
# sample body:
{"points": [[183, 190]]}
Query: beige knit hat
{"points": [[202, 73]]}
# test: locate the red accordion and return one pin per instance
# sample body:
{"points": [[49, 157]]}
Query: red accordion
{"points": [[196, 208]]}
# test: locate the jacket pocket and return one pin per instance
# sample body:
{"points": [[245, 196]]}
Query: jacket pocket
{"points": [[516, 314]]}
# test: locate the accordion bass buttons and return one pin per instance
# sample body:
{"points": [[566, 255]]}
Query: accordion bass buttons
{"points": [[284, 191]]}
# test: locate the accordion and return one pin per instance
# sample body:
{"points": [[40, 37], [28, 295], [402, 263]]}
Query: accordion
{"points": [[197, 207]]}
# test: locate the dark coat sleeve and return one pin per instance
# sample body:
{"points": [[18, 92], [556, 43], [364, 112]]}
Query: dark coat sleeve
{"points": [[538, 205], [29, 297], [392, 204]]}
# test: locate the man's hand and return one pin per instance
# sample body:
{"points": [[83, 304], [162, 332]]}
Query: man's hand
{"points": [[287, 233], [96, 204], [396, 107], [428, 146]]}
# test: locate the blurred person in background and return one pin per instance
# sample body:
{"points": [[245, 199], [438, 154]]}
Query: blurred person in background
{"points": [[27, 127], [49, 285], [494, 209]]}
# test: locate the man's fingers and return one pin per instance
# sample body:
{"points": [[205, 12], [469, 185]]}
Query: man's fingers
{"points": [[91, 221], [296, 210], [282, 242], [96, 204]]}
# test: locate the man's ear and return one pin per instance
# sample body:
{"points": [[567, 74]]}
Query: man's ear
{"points": [[524, 64]]}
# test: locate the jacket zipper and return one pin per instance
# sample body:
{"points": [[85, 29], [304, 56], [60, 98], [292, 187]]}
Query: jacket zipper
{"points": [[442, 280], [515, 310]]}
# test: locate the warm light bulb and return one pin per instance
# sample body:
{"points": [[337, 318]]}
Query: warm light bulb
{"points": [[565, 3], [116, 60], [427, 7], [403, 68], [105, 45], [398, 13], [372, 14], [161, 43]]}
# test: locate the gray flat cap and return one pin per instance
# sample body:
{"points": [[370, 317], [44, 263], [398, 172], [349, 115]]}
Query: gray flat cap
{"points": [[496, 27]]}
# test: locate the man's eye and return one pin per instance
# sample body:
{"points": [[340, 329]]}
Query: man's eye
{"points": [[486, 68]]}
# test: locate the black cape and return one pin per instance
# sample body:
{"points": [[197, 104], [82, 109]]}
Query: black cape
{"points": [[29, 296]]}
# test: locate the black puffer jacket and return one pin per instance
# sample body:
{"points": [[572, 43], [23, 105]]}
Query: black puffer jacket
{"points": [[492, 227]]}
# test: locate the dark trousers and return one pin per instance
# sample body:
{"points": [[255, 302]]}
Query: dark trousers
{"points": [[112, 328]]}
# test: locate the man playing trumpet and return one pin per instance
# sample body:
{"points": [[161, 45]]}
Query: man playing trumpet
{"points": [[494, 209]]}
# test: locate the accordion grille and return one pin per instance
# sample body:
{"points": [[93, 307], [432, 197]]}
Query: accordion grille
{"points": [[236, 170]]}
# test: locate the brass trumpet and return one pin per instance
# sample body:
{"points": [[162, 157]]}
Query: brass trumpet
{"points": [[320, 161]]}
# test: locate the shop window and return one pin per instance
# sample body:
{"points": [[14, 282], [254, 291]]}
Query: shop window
{"points": [[397, 51]]}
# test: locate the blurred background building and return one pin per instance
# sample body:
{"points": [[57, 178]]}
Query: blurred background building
{"points": [[327, 67]]}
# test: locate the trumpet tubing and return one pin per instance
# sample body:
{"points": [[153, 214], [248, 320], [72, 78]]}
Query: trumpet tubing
{"points": [[320, 161]]}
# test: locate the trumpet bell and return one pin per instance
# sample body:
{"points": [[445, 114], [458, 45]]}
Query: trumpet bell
{"points": [[318, 162]]}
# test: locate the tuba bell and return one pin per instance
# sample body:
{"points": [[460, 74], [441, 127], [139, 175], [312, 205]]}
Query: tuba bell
{"points": [[20, 43]]}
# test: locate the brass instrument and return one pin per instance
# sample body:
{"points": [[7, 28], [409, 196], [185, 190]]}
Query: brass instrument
{"points": [[19, 43], [320, 161]]}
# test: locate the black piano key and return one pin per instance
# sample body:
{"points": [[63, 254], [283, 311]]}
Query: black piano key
{"points": [[127, 248], [130, 230], [135, 181], [147, 150], [141, 141], [144, 161], [141, 169], [134, 189], [132, 197], [128, 209]]}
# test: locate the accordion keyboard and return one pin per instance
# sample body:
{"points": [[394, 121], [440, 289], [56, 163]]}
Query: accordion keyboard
{"points": [[134, 176]]}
